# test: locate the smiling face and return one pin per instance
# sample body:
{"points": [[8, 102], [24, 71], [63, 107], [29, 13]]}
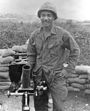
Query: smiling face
{"points": [[46, 18]]}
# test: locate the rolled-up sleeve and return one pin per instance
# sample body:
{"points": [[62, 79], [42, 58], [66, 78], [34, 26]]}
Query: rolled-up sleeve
{"points": [[72, 46], [31, 51]]}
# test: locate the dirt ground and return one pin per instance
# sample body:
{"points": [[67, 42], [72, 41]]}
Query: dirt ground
{"points": [[76, 101]]}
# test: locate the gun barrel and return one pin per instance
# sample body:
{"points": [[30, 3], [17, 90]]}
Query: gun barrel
{"points": [[26, 71]]}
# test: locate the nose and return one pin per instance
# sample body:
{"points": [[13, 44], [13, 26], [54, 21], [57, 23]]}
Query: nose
{"points": [[45, 17]]}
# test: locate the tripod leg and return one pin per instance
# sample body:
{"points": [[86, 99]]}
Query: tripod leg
{"points": [[31, 104], [25, 84], [25, 102]]}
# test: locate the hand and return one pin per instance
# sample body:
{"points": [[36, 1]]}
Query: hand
{"points": [[64, 73]]}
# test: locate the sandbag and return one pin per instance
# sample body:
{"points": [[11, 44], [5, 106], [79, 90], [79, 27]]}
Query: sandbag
{"points": [[2, 51], [77, 85], [87, 86], [83, 76], [6, 60], [76, 80], [87, 91], [4, 65], [4, 75], [70, 88], [4, 68], [5, 84], [8, 52], [22, 48], [2, 79], [4, 87], [73, 76], [82, 69]]}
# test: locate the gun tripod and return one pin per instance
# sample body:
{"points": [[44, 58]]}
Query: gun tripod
{"points": [[28, 89]]}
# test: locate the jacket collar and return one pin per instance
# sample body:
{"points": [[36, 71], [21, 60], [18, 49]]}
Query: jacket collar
{"points": [[53, 30]]}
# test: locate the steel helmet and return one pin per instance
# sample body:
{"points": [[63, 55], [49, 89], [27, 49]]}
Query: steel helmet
{"points": [[47, 6]]}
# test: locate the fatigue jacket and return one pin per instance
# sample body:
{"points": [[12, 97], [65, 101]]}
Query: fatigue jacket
{"points": [[48, 51]]}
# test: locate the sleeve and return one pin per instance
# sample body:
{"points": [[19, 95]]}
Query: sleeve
{"points": [[31, 52], [72, 46]]}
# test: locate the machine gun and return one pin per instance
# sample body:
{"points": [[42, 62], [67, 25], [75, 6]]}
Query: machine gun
{"points": [[28, 88]]}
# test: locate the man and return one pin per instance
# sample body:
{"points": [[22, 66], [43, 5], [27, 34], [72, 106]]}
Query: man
{"points": [[46, 55]]}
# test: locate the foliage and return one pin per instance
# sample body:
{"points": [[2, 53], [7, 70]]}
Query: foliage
{"points": [[13, 33]]}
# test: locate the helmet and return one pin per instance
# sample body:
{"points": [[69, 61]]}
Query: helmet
{"points": [[47, 7]]}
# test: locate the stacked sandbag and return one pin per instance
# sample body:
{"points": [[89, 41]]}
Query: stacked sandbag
{"points": [[78, 81], [87, 85], [21, 49], [7, 56], [2, 51], [5, 59], [70, 82]]}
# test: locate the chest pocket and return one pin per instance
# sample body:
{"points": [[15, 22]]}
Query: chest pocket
{"points": [[38, 46], [55, 47]]}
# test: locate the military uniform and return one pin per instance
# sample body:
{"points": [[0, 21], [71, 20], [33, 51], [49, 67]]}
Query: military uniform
{"points": [[46, 55]]}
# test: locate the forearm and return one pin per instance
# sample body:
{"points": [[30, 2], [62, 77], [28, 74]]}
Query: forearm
{"points": [[72, 60], [74, 54]]}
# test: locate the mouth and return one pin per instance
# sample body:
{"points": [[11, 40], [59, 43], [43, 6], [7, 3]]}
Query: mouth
{"points": [[46, 23]]}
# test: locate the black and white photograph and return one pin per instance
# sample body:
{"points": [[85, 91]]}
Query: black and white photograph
{"points": [[44, 55]]}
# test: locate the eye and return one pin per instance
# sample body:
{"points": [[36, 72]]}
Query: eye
{"points": [[43, 15], [49, 15]]}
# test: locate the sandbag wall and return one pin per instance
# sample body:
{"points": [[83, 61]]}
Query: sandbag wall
{"points": [[6, 58], [80, 80]]}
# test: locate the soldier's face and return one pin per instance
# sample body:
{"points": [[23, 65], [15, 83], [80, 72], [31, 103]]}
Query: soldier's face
{"points": [[47, 18]]}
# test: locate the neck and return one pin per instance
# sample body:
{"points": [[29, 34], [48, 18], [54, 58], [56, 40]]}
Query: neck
{"points": [[47, 28]]}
